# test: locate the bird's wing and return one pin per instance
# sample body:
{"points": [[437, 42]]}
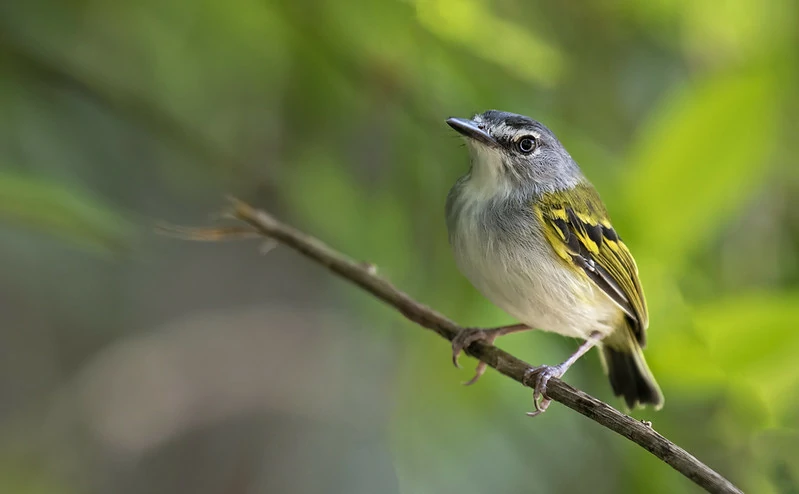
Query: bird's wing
{"points": [[576, 224]]}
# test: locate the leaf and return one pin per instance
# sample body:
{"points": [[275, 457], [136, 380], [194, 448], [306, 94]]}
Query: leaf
{"points": [[749, 337], [60, 211], [753, 338], [744, 332], [704, 152], [457, 21]]}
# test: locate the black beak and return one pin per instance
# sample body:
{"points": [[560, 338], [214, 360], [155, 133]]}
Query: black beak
{"points": [[470, 129]]}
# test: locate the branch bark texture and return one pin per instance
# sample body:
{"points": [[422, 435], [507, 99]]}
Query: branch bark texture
{"points": [[365, 277]]}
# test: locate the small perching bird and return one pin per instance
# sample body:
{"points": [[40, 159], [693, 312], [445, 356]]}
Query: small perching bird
{"points": [[532, 234]]}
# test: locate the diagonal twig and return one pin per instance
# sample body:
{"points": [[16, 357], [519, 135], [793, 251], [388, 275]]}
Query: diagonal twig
{"points": [[365, 277]]}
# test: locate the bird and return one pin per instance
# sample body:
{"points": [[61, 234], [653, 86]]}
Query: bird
{"points": [[532, 234]]}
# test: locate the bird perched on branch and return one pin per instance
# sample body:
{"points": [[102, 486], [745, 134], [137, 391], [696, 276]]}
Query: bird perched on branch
{"points": [[532, 234]]}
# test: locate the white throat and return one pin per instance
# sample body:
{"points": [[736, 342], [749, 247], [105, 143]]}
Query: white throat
{"points": [[487, 179]]}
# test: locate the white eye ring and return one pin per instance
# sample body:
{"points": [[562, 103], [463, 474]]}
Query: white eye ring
{"points": [[527, 144]]}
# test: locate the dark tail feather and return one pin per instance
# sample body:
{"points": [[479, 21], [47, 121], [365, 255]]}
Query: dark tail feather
{"points": [[630, 377]]}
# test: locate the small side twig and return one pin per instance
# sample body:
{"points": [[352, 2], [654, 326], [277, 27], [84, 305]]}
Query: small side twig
{"points": [[363, 275]]}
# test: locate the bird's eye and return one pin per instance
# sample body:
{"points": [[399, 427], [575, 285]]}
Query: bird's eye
{"points": [[526, 144]]}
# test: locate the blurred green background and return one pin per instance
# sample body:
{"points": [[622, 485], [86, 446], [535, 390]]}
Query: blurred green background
{"points": [[134, 363]]}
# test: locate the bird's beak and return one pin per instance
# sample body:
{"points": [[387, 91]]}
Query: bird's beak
{"points": [[470, 129]]}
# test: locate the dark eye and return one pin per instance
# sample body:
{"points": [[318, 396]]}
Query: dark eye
{"points": [[526, 144]]}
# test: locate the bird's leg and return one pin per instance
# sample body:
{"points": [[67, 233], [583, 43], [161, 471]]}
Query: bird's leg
{"points": [[467, 336], [539, 376]]}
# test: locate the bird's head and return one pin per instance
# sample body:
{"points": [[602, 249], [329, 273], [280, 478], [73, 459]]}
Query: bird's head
{"points": [[510, 151]]}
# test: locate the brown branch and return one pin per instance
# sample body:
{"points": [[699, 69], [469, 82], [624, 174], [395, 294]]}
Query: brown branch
{"points": [[364, 276]]}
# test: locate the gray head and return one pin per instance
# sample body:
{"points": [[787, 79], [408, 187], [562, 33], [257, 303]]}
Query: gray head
{"points": [[512, 153]]}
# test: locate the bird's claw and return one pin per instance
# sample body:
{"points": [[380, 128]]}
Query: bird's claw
{"points": [[462, 340], [478, 371], [537, 378]]}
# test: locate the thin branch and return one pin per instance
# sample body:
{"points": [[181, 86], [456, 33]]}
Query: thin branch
{"points": [[364, 276]]}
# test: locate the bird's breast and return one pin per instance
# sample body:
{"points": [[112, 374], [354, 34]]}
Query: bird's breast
{"points": [[502, 250]]}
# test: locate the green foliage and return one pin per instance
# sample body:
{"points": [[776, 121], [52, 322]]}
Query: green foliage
{"points": [[751, 339], [689, 173], [61, 211], [24, 476], [332, 115], [518, 51]]}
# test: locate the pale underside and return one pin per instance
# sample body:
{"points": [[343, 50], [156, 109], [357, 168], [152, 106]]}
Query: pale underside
{"points": [[531, 285], [516, 268]]}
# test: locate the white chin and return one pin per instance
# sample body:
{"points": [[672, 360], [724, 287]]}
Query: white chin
{"points": [[488, 178], [486, 156]]}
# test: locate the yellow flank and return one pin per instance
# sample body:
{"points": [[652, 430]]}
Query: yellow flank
{"points": [[578, 211]]}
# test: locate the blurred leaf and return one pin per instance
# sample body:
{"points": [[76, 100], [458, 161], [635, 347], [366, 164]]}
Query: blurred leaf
{"points": [[736, 29], [754, 338], [331, 203], [748, 338], [704, 152], [61, 211], [719, 32], [750, 330], [517, 50], [24, 475], [682, 360], [776, 452]]}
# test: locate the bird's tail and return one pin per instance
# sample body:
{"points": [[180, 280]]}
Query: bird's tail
{"points": [[629, 375]]}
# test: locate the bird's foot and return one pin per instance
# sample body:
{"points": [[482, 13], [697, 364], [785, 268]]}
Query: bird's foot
{"points": [[537, 378], [466, 337]]}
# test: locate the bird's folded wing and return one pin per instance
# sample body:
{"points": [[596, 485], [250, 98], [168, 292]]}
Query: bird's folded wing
{"points": [[576, 225]]}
